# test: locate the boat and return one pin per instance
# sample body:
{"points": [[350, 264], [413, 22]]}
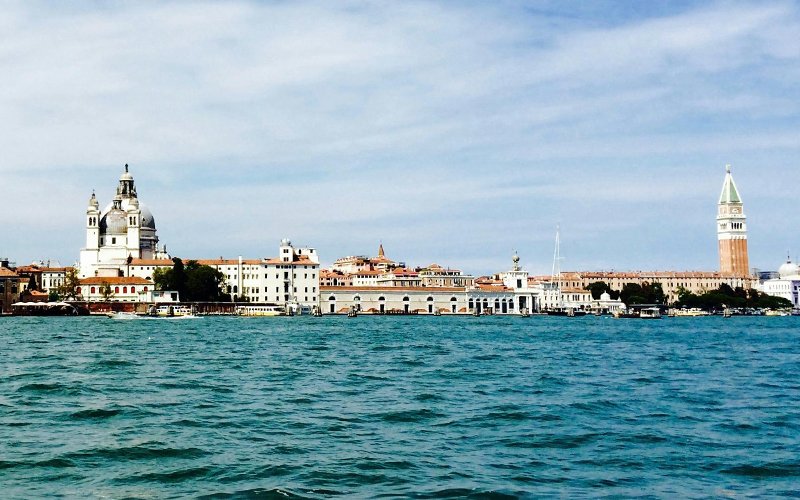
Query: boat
{"points": [[650, 313], [173, 311], [123, 315], [263, 310], [777, 312], [693, 312], [566, 311], [642, 313]]}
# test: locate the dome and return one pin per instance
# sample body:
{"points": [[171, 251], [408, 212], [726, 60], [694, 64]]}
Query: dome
{"points": [[126, 176], [114, 222], [605, 297], [147, 217], [789, 269]]}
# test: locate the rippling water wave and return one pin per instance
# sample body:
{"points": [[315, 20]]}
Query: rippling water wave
{"points": [[399, 406]]}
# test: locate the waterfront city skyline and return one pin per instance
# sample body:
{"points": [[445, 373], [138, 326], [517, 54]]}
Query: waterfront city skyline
{"points": [[452, 134]]}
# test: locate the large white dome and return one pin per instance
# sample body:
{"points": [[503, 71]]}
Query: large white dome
{"points": [[789, 269]]}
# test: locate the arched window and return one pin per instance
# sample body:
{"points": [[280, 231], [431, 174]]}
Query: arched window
{"points": [[332, 297], [124, 289], [406, 299], [356, 298], [430, 299], [78, 290], [92, 290], [133, 289], [116, 289], [453, 299], [145, 289], [381, 298]]}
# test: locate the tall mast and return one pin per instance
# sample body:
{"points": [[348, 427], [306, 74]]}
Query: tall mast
{"points": [[556, 277]]}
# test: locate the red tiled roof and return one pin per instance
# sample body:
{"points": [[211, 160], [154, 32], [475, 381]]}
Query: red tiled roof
{"points": [[7, 273], [152, 262]]}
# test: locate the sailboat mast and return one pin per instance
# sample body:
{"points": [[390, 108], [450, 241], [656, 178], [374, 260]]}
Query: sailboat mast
{"points": [[556, 277]]}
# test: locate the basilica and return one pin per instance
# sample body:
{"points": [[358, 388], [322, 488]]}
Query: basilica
{"points": [[123, 231]]}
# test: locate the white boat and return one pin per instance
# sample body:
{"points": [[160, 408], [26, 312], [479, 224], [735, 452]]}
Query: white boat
{"points": [[123, 315], [173, 311], [693, 312], [259, 311]]}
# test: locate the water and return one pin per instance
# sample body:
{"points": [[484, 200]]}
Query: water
{"points": [[399, 406]]}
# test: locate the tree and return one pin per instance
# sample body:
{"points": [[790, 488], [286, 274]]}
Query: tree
{"points": [[68, 290], [598, 288], [204, 283], [194, 282], [106, 292], [646, 293]]}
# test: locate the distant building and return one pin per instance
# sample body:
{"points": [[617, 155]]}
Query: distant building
{"points": [[430, 290], [672, 282], [44, 278], [290, 279], [786, 285], [9, 287], [732, 230], [124, 230], [115, 289]]}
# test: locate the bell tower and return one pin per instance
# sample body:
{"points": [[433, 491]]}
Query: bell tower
{"points": [[732, 229]]}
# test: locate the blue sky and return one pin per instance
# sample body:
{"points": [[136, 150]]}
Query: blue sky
{"points": [[453, 132]]}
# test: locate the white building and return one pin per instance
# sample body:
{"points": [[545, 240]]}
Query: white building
{"points": [[787, 285], [125, 229], [290, 279]]}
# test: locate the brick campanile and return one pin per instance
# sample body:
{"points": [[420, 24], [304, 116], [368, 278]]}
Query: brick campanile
{"points": [[732, 229]]}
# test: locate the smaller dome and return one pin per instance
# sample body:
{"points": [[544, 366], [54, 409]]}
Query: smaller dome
{"points": [[126, 176], [789, 269], [605, 297], [93, 203]]}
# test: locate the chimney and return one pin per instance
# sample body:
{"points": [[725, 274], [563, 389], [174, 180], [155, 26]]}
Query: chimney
{"points": [[4, 262]]}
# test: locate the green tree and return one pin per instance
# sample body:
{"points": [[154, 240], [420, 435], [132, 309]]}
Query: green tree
{"points": [[193, 282], [106, 292], [204, 283], [68, 289]]}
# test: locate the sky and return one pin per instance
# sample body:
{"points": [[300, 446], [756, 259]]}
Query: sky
{"points": [[450, 132]]}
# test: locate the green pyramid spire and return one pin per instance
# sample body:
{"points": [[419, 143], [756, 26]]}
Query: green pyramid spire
{"points": [[729, 192]]}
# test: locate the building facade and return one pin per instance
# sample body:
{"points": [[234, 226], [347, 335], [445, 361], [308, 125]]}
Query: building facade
{"points": [[732, 230]]}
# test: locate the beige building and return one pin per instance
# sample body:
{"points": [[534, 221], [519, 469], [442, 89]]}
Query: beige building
{"points": [[671, 282]]}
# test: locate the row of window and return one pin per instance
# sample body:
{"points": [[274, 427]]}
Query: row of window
{"points": [[94, 289]]}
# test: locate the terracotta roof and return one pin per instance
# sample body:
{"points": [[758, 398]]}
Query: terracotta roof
{"points": [[389, 289], [152, 262], [224, 262], [300, 260], [115, 280], [368, 272], [492, 288], [8, 273]]}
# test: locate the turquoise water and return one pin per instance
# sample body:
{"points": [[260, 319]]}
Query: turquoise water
{"points": [[399, 406]]}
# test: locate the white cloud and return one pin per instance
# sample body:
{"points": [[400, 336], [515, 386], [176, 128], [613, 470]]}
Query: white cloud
{"points": [[417, 115]]}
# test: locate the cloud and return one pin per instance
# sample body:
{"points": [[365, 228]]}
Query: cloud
{"points": [[345, 121]]}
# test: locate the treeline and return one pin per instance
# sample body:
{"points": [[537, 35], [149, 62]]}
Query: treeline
{"points": [[631, 293], [193, 281], [724, 296]]}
